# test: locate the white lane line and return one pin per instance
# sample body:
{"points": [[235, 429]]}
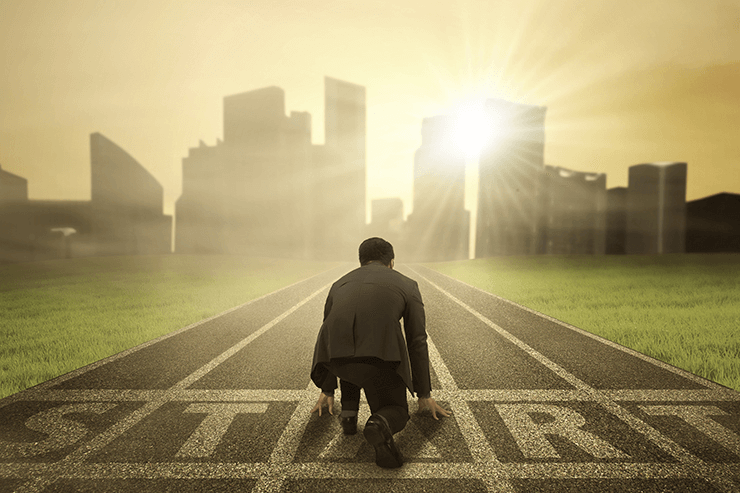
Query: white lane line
{"points": [[470, 429], [81, 454], [219, 417], [568, 377], [204, 395], [205, 369], [72, 461], [671, 395], [119, 428], [688, 459], [265, 395], [479, 447], [97, 364], [485, 471], [655, 362], [321, 470], [287, 445]]}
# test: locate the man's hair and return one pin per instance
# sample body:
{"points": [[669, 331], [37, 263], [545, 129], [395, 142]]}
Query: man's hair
{"points": [[376, 249]]}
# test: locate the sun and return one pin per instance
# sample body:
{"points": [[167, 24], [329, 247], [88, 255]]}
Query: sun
{"points": [[475, 128]]}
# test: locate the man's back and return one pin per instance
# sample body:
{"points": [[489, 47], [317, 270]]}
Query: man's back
{"points": [[366, 306], [362, 319], [360, 341]]}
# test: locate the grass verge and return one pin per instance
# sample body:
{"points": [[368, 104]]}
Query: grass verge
{"points": [[57, 316], [680, 309]]}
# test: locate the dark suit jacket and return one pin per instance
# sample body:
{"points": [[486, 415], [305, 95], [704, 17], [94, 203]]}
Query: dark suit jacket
{"points": [[362, 320]]}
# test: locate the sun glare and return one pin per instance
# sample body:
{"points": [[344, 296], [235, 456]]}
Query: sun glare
{"points": [[474, 128]]}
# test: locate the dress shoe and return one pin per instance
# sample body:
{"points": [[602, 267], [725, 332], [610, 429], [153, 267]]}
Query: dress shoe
{"points": [[349, 425], [379, 435]]}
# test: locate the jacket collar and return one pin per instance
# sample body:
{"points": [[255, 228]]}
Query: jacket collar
{"points": [[375, 263]]}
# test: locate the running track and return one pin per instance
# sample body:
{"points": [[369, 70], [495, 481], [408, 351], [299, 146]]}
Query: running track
{"points": [[224, 405]]}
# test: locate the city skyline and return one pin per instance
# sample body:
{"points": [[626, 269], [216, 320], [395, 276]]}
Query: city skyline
{"points": [[623, 83]]}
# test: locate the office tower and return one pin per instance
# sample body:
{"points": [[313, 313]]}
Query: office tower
{"points": [[340, 169], [126, 203], [246, 194], [15, 233], [439, 226], [387, 222], [266, 190], [573, 212], [656, 208], [123, 217], [13, 188], [713, 224], [256, 120], [616, 220], [510, 169]]}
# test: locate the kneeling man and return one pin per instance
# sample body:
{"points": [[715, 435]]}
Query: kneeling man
{"points": [[360, 341]]}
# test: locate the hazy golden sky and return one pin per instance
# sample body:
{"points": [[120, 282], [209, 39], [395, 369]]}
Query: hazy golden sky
{"points": [[624, 81]]}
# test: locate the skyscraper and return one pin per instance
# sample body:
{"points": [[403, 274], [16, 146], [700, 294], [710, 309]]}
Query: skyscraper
{"points": [[510, 169], [13, 188], [266, 190], [387, 222], [573, 212], [616, 220], [246, 195], [126, 203], [123, 217], [439, 227], [713, 223], [15, 230], [341, 220], [656, 208]]}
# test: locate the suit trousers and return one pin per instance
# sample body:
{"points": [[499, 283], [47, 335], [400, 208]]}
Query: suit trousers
{"points": [[385, 391]]}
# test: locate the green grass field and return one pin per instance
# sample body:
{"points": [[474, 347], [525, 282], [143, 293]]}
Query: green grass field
{"points": [[57, 316], [60, 315], [681, 309]]}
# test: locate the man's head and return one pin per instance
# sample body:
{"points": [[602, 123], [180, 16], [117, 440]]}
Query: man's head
{"points": [[378, 250]]}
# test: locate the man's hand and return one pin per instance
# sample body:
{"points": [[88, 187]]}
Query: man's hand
{"points": [[431, 404], [324, 400]]}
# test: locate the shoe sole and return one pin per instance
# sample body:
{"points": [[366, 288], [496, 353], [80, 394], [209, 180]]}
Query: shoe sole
{"points": [[384, 446]]}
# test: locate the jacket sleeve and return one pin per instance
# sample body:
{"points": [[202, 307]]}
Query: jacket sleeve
{"points": [[414, 323], [320, 374], [327, 305], [329, 384]]}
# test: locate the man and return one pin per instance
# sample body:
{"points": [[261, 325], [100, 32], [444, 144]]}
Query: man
{"points": [[360, 341]]}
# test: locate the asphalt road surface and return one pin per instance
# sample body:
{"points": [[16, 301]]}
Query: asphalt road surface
{"points": [[224, 405]]}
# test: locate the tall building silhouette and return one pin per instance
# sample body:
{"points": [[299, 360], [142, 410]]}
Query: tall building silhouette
{"points": [[126, 203], [510, 169], [13, 188], [656, 208], [266, 190], [387, 222], [616, 220], [340, 171], [15, 234], [713, 224], [439, 226], [244, 195], [573, 212], [124, 216]]}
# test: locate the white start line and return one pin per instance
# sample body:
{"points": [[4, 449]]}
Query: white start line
{"points": [[218, 409]]}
